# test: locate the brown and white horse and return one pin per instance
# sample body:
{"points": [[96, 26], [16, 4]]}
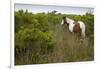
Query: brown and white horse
{"points": [[74, 26]]}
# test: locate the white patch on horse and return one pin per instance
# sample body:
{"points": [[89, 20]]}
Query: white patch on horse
{"points": [[82, 26]]}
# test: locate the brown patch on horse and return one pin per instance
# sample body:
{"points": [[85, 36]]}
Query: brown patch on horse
{"points": [[76, 27]]}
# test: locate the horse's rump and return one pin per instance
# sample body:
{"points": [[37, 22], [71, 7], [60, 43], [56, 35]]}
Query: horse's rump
{"points": [[76, 27]]}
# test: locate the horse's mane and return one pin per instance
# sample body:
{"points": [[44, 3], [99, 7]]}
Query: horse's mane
{"points": [[71, 20]]}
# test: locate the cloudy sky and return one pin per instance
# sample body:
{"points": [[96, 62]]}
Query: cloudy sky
{"points": [[47, 8]]}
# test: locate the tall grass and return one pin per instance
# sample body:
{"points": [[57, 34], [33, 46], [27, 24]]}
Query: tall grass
{"points": [[40, 38]]}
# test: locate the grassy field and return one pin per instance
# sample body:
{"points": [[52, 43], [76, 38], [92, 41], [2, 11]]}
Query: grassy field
{"points": [[40, 38], [69, 46]]}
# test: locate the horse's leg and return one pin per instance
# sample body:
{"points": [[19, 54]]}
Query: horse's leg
{"points": [[83, 32], [82, 37]]}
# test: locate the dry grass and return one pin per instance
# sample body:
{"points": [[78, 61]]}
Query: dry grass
{"points": [[69, 47]]}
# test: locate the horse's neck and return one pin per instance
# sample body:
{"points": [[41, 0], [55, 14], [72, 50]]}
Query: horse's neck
{"points": [[70, 21]]}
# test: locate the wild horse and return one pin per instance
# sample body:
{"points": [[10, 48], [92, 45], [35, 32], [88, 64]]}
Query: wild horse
{"points": [[74, 26]]}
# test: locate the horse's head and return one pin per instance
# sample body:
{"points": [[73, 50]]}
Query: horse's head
{"points": [[64, 20]]}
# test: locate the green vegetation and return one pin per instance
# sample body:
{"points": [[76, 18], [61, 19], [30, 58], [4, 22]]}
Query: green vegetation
{"points": [[40, 38]]}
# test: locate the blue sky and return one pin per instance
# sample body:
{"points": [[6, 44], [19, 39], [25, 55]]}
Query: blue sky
{"points": [[48, 8]]}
